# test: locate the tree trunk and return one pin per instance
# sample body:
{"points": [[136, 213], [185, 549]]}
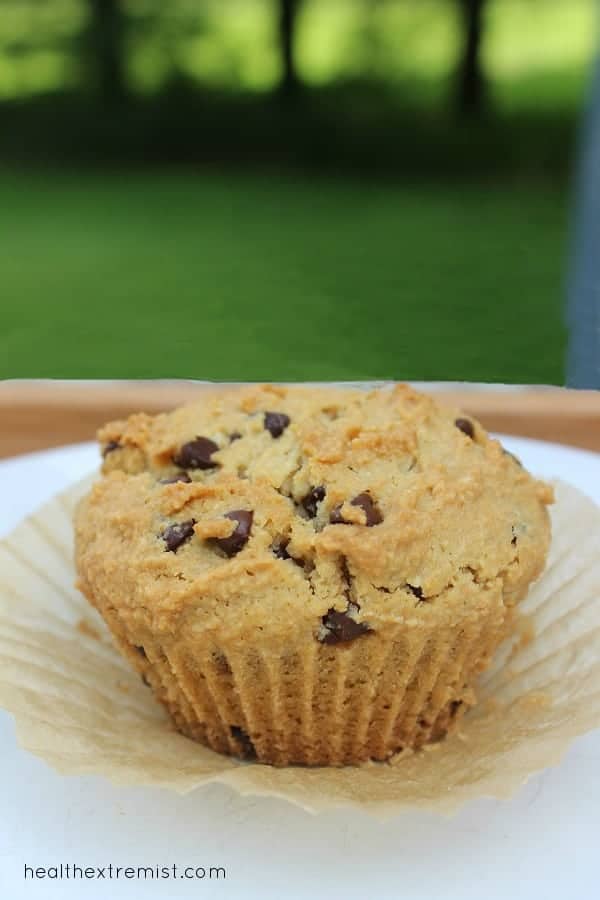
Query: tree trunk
{"points": [[106, 33], [471, 80], [290, 82]]}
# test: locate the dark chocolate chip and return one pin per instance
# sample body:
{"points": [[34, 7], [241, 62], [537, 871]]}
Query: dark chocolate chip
{"points": [[276, 423], [234, 436], [145, 680], [341, 627], [244, 741], [197, 454], [280, 551], [417, 591], [141, 651], [466, 426], [347, 580], [455, 705], [172, 479], [368, 506], [176, 535], [108, 448], [312, 500], [514, 537], [239, 538]]}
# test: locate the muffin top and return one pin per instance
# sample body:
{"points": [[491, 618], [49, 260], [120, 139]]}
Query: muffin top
{"points": [[343, 509]]}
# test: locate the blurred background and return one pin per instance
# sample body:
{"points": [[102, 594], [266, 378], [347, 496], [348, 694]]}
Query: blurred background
{"points": [[289, 189]]}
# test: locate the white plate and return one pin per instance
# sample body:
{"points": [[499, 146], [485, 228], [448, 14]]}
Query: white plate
{"points": [[541, 844]]}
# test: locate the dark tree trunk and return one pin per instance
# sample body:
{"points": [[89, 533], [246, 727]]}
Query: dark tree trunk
{"points": [[471, 80], [106, 39], [290, 81]]}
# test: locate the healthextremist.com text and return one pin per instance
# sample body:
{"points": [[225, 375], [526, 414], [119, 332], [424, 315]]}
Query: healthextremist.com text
{"points": [[110, 872]]}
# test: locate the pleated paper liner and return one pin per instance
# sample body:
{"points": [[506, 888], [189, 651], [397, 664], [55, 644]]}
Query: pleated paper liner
{"points": [[79, 706]]}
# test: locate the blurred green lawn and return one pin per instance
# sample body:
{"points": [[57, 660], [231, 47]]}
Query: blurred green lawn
{"points": [[231, 276], [240, 276], [143, 273]]}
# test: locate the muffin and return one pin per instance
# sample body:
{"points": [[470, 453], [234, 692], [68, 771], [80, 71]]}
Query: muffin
{"points": [[310, 575]]}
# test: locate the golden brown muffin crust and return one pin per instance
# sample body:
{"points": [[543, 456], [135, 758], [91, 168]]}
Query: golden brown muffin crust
{"points": [[298, 517]]}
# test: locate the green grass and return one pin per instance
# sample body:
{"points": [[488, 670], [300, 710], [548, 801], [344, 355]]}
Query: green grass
{"points": [[143, 274], [255, 277]]}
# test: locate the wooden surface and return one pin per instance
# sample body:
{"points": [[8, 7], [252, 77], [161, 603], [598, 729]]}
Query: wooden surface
{"points": [[36, 415]]}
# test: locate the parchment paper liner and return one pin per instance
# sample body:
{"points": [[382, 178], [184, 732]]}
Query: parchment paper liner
{"points": [[78, 706]]}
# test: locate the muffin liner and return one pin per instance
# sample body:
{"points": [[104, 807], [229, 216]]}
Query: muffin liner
{"points": [[311, 703], [78, 705]]}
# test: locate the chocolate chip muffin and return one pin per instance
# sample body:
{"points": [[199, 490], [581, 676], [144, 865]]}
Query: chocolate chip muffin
{"points": [[310, 575]]}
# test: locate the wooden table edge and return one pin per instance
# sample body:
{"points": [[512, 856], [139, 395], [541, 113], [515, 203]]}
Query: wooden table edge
{"points": [[35, 415]]}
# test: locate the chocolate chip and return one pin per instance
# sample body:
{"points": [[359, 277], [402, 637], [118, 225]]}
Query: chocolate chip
{"points": [[347, 580], [417, 591], [280, 551], [455, 705], [466, 426], [141, 651], [197, 454], [234, 436], [341, 627], [110, 447], [176, 535], [312, 500], [276, 423], [243, 740], [183, 476], [236, 541], [145, 680], [368, 506], [514, 537]]}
